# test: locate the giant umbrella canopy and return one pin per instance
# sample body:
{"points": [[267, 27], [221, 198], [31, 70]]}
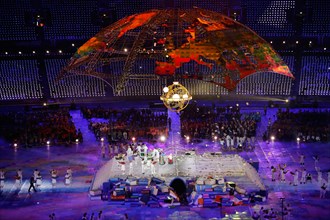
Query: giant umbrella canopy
{"points": [[188, 44]]}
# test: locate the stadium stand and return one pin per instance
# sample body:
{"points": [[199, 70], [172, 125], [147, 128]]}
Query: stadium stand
{"points": [[315, 76], [270, 18], [12, 21], [317, 21], [19, 80], [70, 21]]}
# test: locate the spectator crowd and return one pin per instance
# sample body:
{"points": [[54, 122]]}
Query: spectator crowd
{"points": [[226, 124], [37, 127], [122, 125], [306, 126]]}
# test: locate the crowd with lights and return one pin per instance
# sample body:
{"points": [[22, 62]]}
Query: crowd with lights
{"points": [[304, 125], [39, 127], [224, 124], [122, 125]]}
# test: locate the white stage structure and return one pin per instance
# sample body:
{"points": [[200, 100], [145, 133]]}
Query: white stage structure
{"points": [[231, 167]]}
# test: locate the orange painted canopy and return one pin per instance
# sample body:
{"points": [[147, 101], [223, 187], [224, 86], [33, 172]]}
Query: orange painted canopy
{"points": [[193, 43]]}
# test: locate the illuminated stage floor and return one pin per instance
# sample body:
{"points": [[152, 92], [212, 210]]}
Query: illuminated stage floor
{"points": [[70, 202]]}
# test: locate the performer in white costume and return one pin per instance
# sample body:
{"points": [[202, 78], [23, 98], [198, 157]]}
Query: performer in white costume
{"points": [[303, 177], [155, 155], [39, 179], [123, 166], [295, 178], [302, 160], [69, 171], [130, 171], [129, 154], [273, 170], [153, 166], [20, 174], [138, 150], [319, 177], [283, 172], [145, 149], [142, 165], [35, 174], [53, 174], [67, 179]]}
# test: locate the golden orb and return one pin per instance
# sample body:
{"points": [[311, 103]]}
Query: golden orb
{"points": [[175, 97]]}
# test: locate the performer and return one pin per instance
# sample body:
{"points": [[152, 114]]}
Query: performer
{"points": [[35, 174], [281, 167], [319, 177], [20, 174], [283, 172], [2, 179], [130, 172], [123, 166], [303, 177], [170, 159], [295, 178], [161, 158], [53, 174], [115, 150], [152, 166], [232, 142], [135, 155], [222, 142], [69, 171], [145, 150], [316, 162], [273, 169], [110, 150], [228, 138], [39, 179], [309, 177], [255, 216], [125, 136], [122, 148], [138, 150], [323, 190], [302, 160], [67, 179], [153, 152], [156, 155], [32, 181], [129, 154], [142, 165], [103, 150], [18, 180]]}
